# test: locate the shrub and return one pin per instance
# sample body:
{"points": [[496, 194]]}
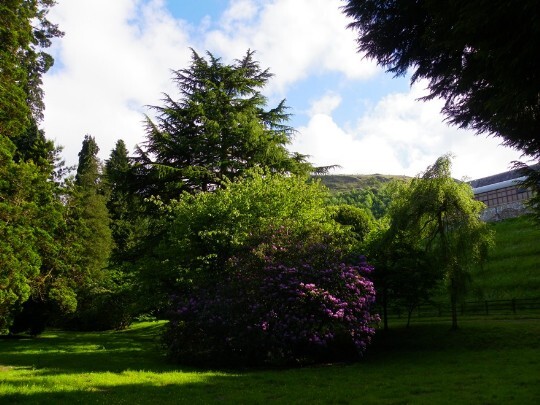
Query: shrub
{"points": [[287, 298]]}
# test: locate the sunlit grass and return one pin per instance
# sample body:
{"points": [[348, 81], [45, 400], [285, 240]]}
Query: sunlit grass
{"points": [[485, 362]]}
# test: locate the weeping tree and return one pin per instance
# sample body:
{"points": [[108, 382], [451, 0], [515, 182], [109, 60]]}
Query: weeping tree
{"points": [[218, 128], [443, 215]]}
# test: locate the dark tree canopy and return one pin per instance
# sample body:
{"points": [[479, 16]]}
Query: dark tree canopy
{"points": [[219, 127], [480, 56]]}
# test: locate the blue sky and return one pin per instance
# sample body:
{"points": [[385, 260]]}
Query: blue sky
{"points": [[116, 58]]}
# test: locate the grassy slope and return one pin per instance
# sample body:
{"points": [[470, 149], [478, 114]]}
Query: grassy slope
{"points": [[488, 362], [513, 269]]}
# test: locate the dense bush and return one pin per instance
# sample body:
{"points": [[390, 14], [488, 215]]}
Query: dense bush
{"points": [[359, 219], [285, 293]]}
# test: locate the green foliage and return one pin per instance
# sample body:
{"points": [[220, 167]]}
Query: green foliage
{"points": [[404, 274], [479, 56], [205, 230], [532, 182], [360, 220], [376, 199], [125, 208], [90, 237], [24, 33], [443, 215], [256, 274], [219, 128], [19, 254]]}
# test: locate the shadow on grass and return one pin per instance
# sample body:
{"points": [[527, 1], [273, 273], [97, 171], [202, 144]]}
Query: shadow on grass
{"points": [[78, 352], [141, 393], [484, 362]]}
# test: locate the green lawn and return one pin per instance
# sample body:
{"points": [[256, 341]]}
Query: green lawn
{"points": [[485, 362]]}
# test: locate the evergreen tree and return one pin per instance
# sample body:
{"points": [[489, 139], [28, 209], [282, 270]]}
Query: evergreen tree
{"points": [[89, 211], [217, 129], [19, 258], [480, 56], [36, 263], [24, 33]]}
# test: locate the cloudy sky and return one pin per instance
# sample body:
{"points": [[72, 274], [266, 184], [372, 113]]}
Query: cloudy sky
{"points": [[116, 58]]}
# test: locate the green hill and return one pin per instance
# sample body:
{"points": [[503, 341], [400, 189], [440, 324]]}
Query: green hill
{"points": [[348, 182]]}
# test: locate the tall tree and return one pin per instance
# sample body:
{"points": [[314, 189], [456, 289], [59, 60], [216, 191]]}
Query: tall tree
{"points": [[443, 214], [480, 56], [25, 32], [218, 128], [129, 222], [19, 258], [33, 253], [89, 211]]}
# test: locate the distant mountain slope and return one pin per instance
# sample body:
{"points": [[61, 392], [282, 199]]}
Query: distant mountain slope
{"points": [[347, 182]]}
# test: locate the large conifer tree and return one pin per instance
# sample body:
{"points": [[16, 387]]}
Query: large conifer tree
{"points": [[219, 127]]}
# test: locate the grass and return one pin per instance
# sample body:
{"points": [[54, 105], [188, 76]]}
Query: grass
{"points": [[513, 269], [485, 362]]}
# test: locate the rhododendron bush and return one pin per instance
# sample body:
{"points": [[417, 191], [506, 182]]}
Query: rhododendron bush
{"points": [[289, 293]]}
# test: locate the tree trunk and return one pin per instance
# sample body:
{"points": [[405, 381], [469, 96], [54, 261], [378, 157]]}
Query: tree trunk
{"points": [[385, 308], [453, 303]]}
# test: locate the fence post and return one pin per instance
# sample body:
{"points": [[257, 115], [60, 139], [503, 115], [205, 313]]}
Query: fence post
{"points": [[487, 307]]}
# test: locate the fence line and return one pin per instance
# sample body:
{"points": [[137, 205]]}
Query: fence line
{"points": [[484, 307]]}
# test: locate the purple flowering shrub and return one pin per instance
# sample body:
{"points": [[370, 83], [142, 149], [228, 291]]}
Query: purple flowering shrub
{"points": [[285, 299]]}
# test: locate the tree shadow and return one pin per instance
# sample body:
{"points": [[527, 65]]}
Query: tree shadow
{"points": [[77, 352], [208, 391]]}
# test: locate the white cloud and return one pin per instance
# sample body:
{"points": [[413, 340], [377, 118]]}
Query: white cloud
{"points": [[115, 58], [325, 105], [295, 38], [400, 135]]}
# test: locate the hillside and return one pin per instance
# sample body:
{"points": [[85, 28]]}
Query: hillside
{"points": [[347, 182], [513, 269]]}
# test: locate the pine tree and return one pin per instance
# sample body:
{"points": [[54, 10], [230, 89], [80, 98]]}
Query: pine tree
{"points": [[124, 206], [217, 129], [89, 211]]}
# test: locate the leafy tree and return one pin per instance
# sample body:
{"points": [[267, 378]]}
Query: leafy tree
{"points": [[479, 56], [219, 128], [443, 214], [404, 274], [360, 220], [203, 231]]}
